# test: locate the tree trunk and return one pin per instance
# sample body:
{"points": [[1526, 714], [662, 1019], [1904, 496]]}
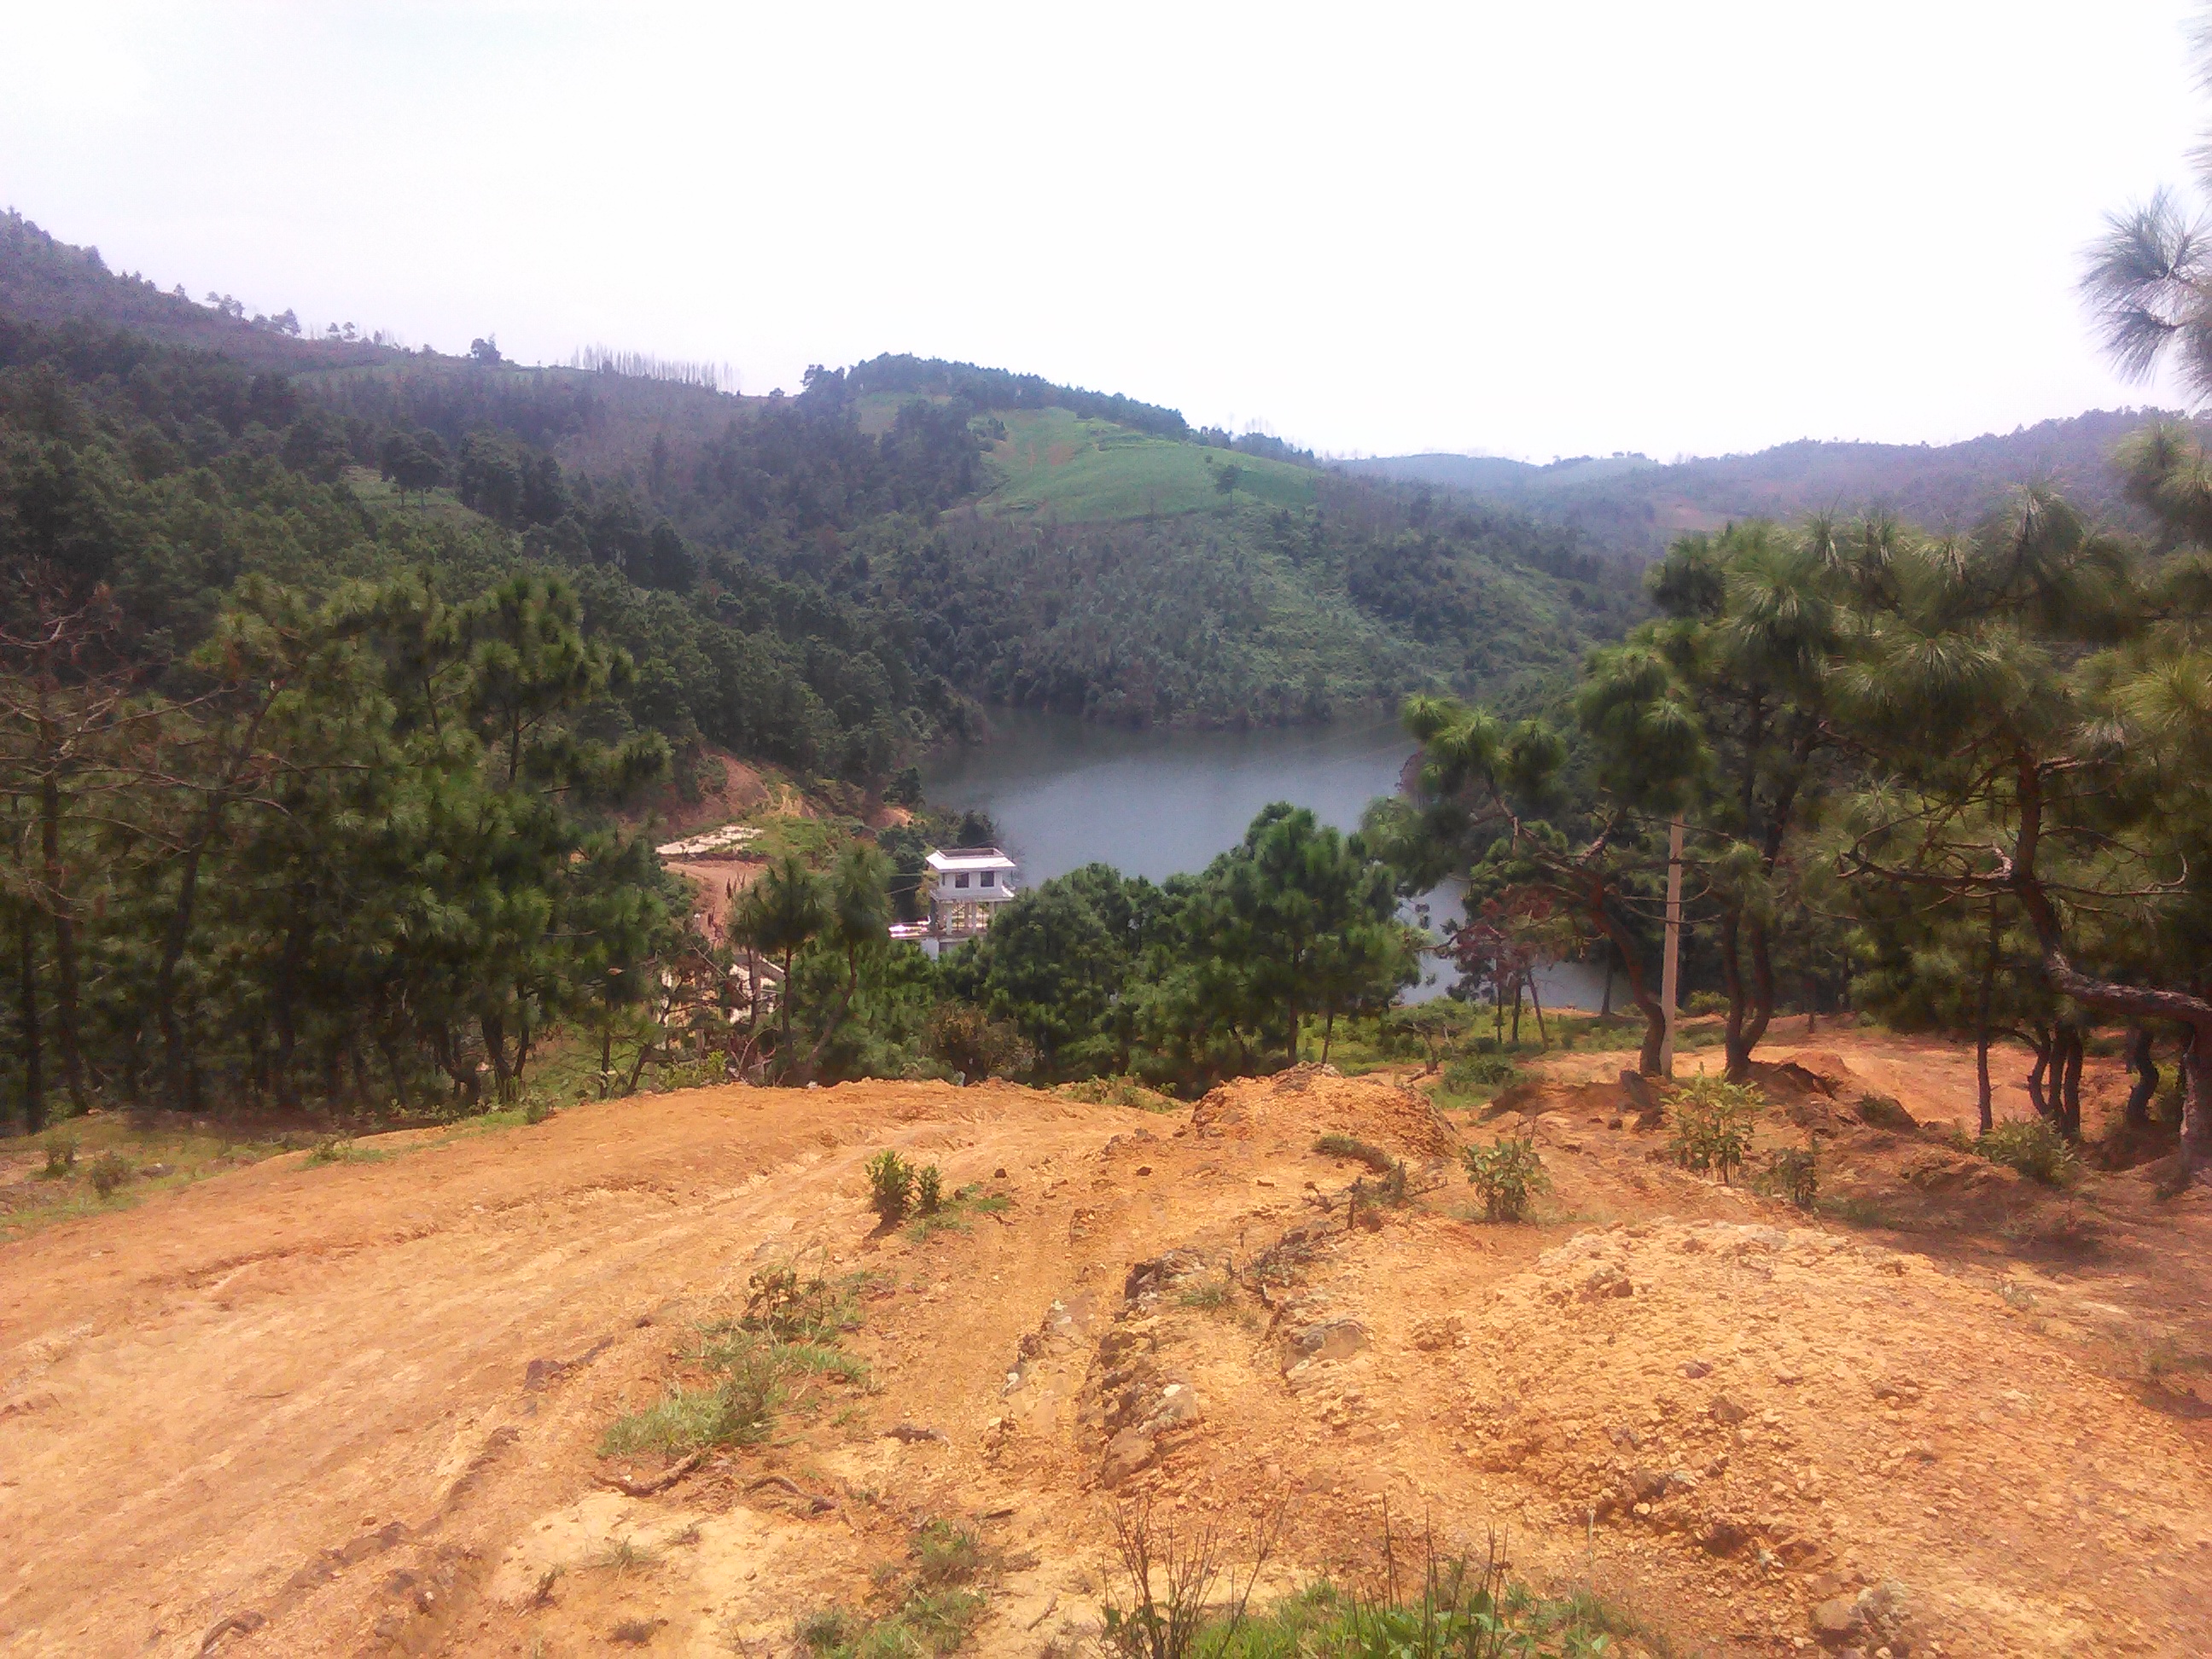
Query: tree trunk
{"points": [[1328, 1033], [606, 1053], [2068, 1090], [495, 1040], [1535, 1001], [390, 1050], [2197, 1097], [34, 1079], [1982, 1029], [2145, 1067], [2107, 995], [1735, 1051], [175, 1068], [66, 1023], [2035, 1076], [285, 998]]}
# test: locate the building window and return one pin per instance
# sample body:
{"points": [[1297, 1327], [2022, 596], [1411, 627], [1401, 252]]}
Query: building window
{"points": [[960, 880], [989, 877]]}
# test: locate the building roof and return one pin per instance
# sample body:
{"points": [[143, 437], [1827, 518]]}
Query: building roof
{"points": [[969, 858]]}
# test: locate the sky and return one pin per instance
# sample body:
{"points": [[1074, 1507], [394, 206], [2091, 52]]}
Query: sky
{"points": [[1529, 230]]}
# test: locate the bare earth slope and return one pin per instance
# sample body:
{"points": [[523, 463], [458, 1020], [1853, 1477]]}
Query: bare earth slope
{"points": [[356, 1408]]}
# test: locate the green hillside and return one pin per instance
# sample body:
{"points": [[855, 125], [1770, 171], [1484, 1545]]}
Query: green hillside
{"points": [[829, 578], [1083, 471]]}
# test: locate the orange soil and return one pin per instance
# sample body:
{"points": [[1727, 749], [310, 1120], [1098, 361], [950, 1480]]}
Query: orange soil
{"points": [[300, 1410]]}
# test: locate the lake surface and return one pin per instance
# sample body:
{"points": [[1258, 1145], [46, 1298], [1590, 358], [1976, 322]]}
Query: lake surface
{"points": [[1066, 792]]}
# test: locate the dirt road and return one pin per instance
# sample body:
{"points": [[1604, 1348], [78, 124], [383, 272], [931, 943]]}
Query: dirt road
{"points": [[303, 1409]]}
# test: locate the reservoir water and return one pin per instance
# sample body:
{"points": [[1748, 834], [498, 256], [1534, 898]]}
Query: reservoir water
{"points": [[1066, 792]]}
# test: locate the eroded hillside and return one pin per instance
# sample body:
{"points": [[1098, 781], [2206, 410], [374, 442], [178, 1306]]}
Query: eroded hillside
{"points": [[359, 1406]]}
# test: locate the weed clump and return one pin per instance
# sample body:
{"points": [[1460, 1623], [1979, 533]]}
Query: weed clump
{"points": [[1712, 1124], [1506, 1176], [1374, 1157], [2032, 1146], [108, 1173], [768, 1360], [61, 1157], [739, 1412], [950, 1571], [890, 1186], [1471, 1073], [929, 1189], [1794, 1173], [950, 1214]]}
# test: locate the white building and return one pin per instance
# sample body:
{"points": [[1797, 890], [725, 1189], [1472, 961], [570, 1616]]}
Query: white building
{"points": [[966, 886]]}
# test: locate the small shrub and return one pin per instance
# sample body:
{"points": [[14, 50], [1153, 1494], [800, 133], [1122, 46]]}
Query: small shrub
{"points": [[536, 1110], [1473, 1074], [890, 1185], [1794, 1173], [331, 1149], [962, 1038], [1700, 1003], [61, 1157], [1392, 1189], [1712, 1124], [109, 1171], [2032, 1146], [929, 1189], [1345, 1147], [1506, 1175], [782, 1303]]}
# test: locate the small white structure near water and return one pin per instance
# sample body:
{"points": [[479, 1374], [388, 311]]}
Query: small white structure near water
{"points": [[965, 887]]}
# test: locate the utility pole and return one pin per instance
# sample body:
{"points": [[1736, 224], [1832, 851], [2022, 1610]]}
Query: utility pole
{"points": [[1670, 969]]}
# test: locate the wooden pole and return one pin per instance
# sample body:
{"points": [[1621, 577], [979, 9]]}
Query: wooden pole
{"points": [[1670, 969]]}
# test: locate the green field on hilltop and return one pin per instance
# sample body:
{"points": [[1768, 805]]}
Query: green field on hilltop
{"points": [[1082, 470]]}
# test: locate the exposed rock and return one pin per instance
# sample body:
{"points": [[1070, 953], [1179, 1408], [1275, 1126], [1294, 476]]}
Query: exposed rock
{"points": [[1725, 1410], [1722, 1537], [1147, 1279], [1835, 1621], [1339, 1340], [1604, 1282], [1433, 1334]]}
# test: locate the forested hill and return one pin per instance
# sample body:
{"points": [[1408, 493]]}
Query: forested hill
{"points": [[829, 579], [1629, 507]]}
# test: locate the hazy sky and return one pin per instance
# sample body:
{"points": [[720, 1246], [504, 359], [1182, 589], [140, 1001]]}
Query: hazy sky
{"points": [[1535, 229]]}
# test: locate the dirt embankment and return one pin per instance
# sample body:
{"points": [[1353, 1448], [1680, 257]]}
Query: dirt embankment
{"points": [[354, 1408]]}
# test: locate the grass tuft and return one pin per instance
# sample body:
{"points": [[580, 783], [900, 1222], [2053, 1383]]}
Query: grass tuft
{"points": [[1336, 1145]]}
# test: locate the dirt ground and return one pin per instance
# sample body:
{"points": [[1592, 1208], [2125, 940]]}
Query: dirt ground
{"points": [[355, 1407]]}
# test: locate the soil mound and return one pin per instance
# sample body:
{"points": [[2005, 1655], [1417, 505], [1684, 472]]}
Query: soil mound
{"points": [[1310, 1101], [1770, 1393]]}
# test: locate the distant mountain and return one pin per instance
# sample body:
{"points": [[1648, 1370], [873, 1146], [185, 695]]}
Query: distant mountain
{"points": [[821, 579], [45, 280], [1630, 506]]}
